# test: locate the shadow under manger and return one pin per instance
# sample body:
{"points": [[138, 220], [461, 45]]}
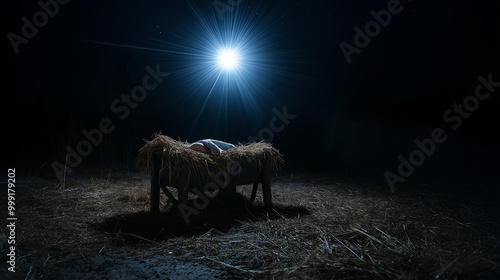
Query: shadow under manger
{"points": [[219, 214]]}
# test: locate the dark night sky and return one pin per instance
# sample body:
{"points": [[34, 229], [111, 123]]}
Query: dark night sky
{"points": [[355, 116]]}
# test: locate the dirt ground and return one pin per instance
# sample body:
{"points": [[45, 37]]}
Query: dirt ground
{"points": [[98, 226]]}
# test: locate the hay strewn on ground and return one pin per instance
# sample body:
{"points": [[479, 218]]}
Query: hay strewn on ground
{"points": [[326, 229], [178, 159]]}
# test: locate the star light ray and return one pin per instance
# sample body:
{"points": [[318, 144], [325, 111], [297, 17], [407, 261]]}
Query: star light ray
{"points": [[218, 63]]}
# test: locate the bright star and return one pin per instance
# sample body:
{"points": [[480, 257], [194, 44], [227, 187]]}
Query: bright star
{"points": [[224, 65], [228, 59]]}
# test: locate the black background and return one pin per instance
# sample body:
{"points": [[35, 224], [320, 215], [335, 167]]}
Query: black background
{"points": [[354, 117]]}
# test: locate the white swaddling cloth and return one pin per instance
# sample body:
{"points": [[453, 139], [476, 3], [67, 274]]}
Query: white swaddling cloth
{"points": [[215, 146]]}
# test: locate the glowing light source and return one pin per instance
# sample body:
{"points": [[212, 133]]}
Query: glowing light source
{"points": [[237, 63], [227, 59]]}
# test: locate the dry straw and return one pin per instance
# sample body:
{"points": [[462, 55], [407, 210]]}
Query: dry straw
{"points": [[179, 160], [325, 229]]}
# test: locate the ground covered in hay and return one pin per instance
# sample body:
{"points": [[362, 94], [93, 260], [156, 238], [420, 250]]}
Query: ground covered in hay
{"points": [[97, 226]]}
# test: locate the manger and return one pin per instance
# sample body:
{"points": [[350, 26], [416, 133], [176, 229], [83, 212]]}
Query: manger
{"points": [[173, 164]]}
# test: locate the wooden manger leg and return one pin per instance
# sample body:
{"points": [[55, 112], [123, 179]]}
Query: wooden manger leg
{"points": [[266, 189], [155, 185], [183, 191], [169, 195], [254, 193]]}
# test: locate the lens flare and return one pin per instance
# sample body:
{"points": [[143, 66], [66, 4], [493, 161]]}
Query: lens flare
{"points": [[228, 59], [223, 63]]}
